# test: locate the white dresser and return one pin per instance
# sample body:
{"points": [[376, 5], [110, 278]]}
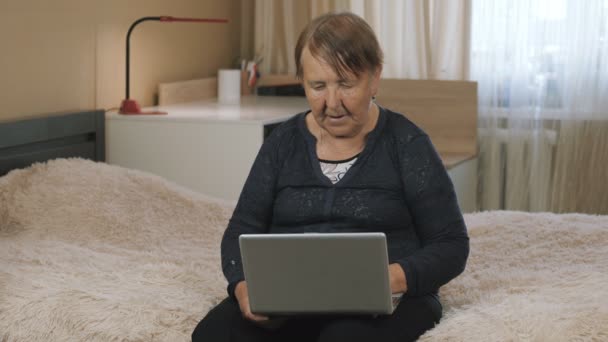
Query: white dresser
{"points": [[209, 147]]}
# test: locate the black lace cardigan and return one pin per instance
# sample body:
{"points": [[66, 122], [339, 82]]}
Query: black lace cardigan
{"points": [[398, 186]]}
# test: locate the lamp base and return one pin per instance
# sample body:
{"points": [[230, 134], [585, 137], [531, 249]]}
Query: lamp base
{"points": [[131, 107]]}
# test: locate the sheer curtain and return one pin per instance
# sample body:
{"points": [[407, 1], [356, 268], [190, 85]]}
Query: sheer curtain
{"points": [[542, 73], [277, 25], [421, 38]]}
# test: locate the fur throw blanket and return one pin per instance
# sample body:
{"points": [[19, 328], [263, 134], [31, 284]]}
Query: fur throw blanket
{"points": [[94, 252]]}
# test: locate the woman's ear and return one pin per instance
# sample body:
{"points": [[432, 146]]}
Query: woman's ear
{"points": [[375, 80]]}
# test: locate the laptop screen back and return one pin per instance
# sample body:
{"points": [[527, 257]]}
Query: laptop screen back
{"points": [[316, 273]]}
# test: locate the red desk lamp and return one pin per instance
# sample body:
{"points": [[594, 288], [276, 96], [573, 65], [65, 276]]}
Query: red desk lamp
{"points": [[128, 105]]}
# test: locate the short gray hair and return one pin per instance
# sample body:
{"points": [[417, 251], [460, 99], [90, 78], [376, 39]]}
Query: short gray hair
{"points": [[343, 40]]}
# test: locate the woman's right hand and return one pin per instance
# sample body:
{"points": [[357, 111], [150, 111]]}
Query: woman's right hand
{"points": [[242, 296]]}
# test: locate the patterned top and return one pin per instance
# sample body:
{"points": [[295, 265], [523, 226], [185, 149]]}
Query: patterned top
{"points": [[398, 186], [335, 170]]}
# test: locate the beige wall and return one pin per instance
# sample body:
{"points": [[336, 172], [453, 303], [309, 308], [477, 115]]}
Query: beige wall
{"points": [[70, 54]]}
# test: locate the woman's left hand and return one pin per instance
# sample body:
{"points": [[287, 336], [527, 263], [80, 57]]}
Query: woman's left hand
{"points": [[397, 278]]}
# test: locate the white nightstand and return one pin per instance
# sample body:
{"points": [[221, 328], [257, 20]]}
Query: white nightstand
{"points": [[204, 145]]}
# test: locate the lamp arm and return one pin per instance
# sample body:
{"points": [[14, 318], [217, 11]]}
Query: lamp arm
{"points": [[129, 49], [129, 106]]}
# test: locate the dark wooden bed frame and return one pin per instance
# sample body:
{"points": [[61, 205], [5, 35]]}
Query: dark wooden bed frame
{"points": [[27, 141]]}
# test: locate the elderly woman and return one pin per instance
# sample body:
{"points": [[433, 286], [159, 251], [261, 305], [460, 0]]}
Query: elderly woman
{"points": [[345, 166]]}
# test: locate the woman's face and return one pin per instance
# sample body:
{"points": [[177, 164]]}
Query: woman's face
{"points": [[339, 106]]}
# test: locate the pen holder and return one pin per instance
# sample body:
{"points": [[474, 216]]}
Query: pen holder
{"points": [[245, 88]]}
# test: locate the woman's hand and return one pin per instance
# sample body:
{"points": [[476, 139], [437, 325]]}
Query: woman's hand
{"points": [[397, 279], [242, 296]]}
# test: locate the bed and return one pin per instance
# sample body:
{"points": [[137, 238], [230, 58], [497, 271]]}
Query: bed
{"points": [[95, 252], [48, 136]]}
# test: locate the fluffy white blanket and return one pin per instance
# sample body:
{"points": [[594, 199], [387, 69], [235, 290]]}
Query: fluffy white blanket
{"points": [[93, 252]]}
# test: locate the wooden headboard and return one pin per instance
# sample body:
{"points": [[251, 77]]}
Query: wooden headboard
{"points": [[446, 110], [63, 135]]}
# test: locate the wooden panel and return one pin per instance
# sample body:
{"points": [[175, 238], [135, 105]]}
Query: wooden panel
{"points": [[187, 91], [10, 160], [78, 134], [446, 110], [46, 128], [271, 80]]}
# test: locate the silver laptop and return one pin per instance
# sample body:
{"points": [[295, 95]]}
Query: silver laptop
{"points": [[318, 273]]}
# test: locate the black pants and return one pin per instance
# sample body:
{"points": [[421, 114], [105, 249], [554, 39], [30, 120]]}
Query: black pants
{"points": [[410, 319]]}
